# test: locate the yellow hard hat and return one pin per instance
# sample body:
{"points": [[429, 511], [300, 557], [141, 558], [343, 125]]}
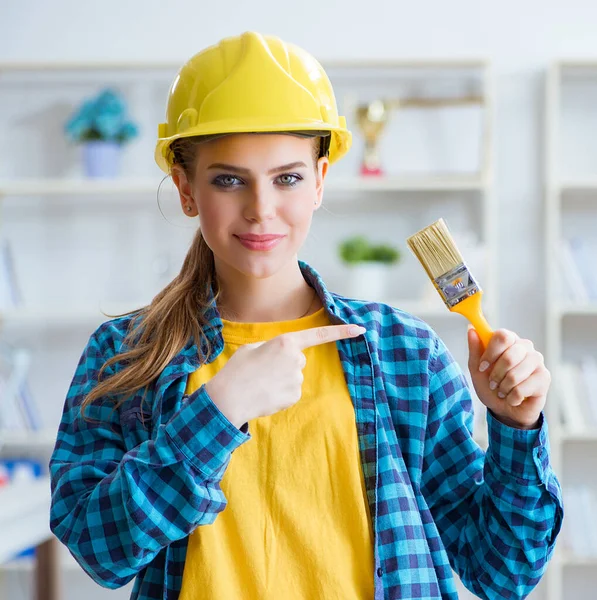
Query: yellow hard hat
{"points": [[251, 83]]}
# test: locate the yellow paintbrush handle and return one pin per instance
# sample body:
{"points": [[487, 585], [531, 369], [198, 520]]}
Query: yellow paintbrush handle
{"points": [[471, 309]]}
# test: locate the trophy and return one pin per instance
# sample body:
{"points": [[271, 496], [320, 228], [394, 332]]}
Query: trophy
{"points": [[372, 119]]}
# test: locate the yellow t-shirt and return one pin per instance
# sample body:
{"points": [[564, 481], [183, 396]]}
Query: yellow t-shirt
{"points": [[297, 522]]}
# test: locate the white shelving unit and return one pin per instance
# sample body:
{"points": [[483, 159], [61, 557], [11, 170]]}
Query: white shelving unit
{"points": [[407, 199], [17, 442], [341, 188], [24, 509], [24, 516], [32, 318], [570, 186]]}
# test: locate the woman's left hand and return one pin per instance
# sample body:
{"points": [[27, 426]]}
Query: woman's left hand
{"points": [[509, 377]]}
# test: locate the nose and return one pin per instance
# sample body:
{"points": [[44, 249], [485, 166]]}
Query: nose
{"points": [[260, 203]]}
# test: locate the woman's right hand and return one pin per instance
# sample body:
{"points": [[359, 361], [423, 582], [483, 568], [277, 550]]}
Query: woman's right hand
{"points": [[266, 377]]}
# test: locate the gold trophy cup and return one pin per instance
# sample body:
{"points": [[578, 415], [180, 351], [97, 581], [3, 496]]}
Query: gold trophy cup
{"points": [[372, 119]]}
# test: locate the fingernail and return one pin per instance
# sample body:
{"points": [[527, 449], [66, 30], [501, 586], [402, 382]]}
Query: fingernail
{"points": [[500, 395], [483, 366], [357, 330], [492, 385]]}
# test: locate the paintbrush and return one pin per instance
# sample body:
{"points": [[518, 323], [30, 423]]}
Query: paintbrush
{"points": [[437, 252]]}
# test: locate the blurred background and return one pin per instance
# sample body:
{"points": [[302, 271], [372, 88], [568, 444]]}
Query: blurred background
{"points": [[484, 114]]}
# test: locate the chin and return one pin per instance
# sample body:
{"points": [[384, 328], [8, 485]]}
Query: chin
{"points": [[261, 265]]}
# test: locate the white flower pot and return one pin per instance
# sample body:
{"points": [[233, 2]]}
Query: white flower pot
{"points": [[101, 159], [368, 280]]}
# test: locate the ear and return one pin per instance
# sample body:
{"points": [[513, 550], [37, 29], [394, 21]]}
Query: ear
{"points": [[185, 190], [322, 168]]}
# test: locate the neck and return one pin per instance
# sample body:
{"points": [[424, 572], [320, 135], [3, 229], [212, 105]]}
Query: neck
{"points": [[283, 296]]}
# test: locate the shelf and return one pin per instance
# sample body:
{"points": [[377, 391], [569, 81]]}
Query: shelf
{"points": [[570, 560], [67, 187], [38, 317], [30, 317], [585, 436], [58, 187], [581, 63], [18, 441], [406, 183], [581, 185], [133, 65], [571, 310], [27, 564], [24, 509], [32, 66]]}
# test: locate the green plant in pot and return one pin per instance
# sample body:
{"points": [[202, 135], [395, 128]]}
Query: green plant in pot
{"points": [[369, 266], [102, 127]]}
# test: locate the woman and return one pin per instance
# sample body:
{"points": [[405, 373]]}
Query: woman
{"points": [[185, 458]]}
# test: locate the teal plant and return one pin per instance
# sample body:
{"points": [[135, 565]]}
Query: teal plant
{"points": [[102, 118]]}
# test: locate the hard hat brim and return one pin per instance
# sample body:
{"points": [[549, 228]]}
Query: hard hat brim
{"points": [[339, 146]]}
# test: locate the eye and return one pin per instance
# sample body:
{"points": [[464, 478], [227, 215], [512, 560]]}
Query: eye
{"points": [[289, 179], [226, 181]]}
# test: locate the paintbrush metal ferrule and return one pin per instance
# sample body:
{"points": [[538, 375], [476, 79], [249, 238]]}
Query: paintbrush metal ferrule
{"points": [[456, 285]]}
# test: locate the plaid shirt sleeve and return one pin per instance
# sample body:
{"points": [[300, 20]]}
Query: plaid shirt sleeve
{"points": [[498, 513], [116, 509]]}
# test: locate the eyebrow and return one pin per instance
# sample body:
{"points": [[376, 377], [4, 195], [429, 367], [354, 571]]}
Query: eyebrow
{"points": [[236, 169]]}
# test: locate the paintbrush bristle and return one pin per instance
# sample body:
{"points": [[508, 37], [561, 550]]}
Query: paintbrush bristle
{"points": [[436, 250]]}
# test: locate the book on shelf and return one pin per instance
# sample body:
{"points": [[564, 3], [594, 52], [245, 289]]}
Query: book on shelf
{"points": [[17, 405], [579, 532], [584, 254], [577, 398], [479, 413], [579, 278], [15, 471], [10, 292], [588, 369]]}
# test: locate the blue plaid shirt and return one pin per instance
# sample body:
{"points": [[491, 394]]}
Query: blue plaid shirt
{"points": [[130, 486]]}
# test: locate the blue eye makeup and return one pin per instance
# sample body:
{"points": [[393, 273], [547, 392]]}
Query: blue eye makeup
{"points": [[228, 181], [225, 181], [295, 179]]}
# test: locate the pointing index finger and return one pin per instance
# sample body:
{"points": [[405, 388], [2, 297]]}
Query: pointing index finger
{"points": [[323, 335]]}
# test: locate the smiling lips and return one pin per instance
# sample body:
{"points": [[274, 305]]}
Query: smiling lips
{"points": [[252, 241]]}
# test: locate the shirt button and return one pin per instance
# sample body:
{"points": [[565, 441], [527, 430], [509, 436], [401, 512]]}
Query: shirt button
{"points": [[379, 571]]}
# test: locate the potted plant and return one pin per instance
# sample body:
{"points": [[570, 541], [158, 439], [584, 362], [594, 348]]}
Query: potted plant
{"points": [[369, 266], [102, 127]]}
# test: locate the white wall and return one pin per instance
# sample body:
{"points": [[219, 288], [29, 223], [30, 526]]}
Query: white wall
{"points": [[520, 38]]}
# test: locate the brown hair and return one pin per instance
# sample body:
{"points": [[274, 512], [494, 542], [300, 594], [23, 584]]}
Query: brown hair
{"points": [[160, 330]]}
